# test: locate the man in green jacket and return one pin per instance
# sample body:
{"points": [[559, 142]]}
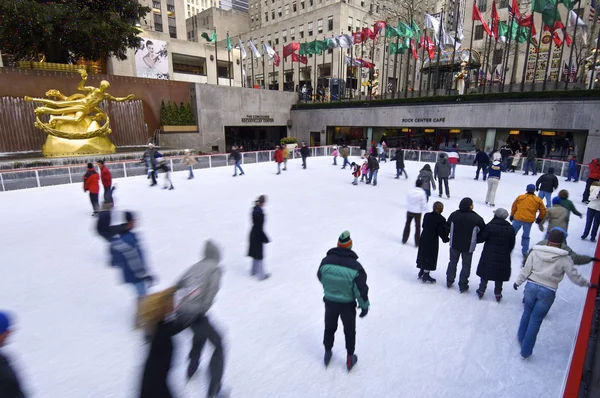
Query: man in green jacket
{"points": [[567, 204], [344, 283]]}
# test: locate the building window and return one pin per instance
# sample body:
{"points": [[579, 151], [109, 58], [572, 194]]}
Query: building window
{"points": [[276, 40], [284, 35], [482, 4], [497, 58], [287, 9], [478, 32], [301, 31], [269, 40], [294, 7], [330, 23], [302, 4], [266, 17], [362, 3], [156, 4], [273, 14], [350, 22], [189, 65], [320, 26], [279, 12], [292, 34], [310, 29], [503, 3], [310, 3], [252, 19], [223, 68], [357, 28]]}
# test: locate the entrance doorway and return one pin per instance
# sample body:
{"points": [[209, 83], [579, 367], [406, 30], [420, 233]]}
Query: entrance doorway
{"points": [[254, 138]]}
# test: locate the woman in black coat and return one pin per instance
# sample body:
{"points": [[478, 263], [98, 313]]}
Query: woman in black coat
{"points": [[434, 228], [494, 265], [258, 238]]}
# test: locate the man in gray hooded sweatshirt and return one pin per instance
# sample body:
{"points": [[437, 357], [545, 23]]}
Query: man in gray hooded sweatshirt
{"points": [[196, 291], [441, 172]]}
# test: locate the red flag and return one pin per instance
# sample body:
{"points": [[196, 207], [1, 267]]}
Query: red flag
{"points": [[568, 39], [358, 38], [378, 26], [515, 10], [528, 22], [366, 34], [414, 49], [364, 64], [298, 58], [290, 48], [477, 17], [276, 59], [429, 45], [495, 20], [557, 41]]}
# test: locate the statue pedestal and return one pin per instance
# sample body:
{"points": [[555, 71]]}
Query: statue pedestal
{"points": [[61, 147]]}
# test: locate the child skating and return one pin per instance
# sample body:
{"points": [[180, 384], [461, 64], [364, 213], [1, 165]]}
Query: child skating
{"points": [[335, 154], [355, 173], [364, 171], [189, 160]]}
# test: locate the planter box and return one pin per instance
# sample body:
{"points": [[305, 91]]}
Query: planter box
{"points": [[291, 147], [179, 129]]}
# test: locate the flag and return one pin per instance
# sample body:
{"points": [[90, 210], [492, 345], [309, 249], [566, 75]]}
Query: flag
{"points": [[357, 37], [477, 17], [567, 38], [378, 27], [404, 30], [574, 20], [414, 49], [365, 64], [228, 43], [429, 46], [495, 20], [242, 50], [253, 49], [415, 28], [345, 41], [298, 58], [276, 59], [320, 46], [548, 10], [593, 12], [432, 23], [514, 10], [503, 32], [390, 32], [290, 48], [332, 43], [528, 22], [352, 62], [212, 38], [267, 50], [366, 34]]}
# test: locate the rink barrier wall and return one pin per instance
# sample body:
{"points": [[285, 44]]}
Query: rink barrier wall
{"points": [[15, 179]]}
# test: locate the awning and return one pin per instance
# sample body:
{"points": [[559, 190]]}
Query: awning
{"points": [[460, 56]]}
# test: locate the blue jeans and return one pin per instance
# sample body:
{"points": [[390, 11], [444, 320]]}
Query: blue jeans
{"points": [[428, 193], [538, 301], [236, 167], [591, 216], [191, 169], [346, 162], [372, 177], [572, 174], [278, 168], [525, 237], [140, 288], [335, 160], [452, 168], [399, 172], [530, 165], [548, 196]]}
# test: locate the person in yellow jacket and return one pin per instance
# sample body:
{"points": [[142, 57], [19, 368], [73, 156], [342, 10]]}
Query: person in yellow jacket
{"points": [[526, 210], [286, 156]]}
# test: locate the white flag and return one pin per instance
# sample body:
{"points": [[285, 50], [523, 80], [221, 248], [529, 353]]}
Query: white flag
{"points": [[242, 50], [268, 50], [432, 23], [345, 41], [333, 43], [574, 20], [253, 49]]}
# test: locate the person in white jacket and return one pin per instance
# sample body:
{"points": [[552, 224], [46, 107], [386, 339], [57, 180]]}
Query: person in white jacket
{"points": [[416, 205], [545, 267]]}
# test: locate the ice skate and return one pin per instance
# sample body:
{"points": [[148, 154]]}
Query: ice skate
{"points": [[479, 293], [327, 358], [351, 361], [421, 272], [427, 278], [464, 289], [449, 284], [498, 297], [192, 368]]}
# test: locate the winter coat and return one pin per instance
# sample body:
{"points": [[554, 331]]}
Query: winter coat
{"points": [[578, 259], [286, 153], [526, 206], [399, 159], [594, 169], [465, 226], [442, 167], [364, 169], [531, 154], [150, 155], [188, 160], [9, 382], [199, 286], [516, 159], [499, 238], [373, 163], [434, 228], [104, 225], [547, 182], [105, 176], [235, 155], [453, 158], [481, 158], [594, 198], [343, 278], [416, 200], [567, 204], [556, 216], [279, 156], [335, 153], [495, 169], [158, 364], [126, 254], [257, 235], [356, 170], [506, 152], [304, 151], [345, 152], [572, 164], [90, 181], [363, 144], [373, 150], [547, 266], [427, 177]]}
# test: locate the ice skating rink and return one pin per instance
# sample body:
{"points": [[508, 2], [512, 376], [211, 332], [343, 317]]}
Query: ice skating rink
{"points": [[74, 334]]}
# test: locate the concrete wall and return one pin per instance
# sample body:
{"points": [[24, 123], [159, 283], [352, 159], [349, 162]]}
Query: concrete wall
{"points": [[559, 115]]}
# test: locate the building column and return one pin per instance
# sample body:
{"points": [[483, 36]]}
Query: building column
{"points": [[490, 139], [369, 136]]}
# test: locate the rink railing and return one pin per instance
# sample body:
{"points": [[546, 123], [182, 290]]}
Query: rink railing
{"points": [[14, 179]]}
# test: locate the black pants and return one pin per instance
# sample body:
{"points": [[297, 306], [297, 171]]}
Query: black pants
{"points": [[346, 311], [445, 181], [94, 200], [409, 217], [483, 167], [162, 167], [108, 194], [465, 272], [303, 162], [203, 331], [586, 192], [497, 286]]}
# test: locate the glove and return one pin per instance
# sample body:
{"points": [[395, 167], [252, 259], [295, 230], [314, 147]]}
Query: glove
{"points": [[149, 279], [537, 190], [538, 220], [511, 218], [594, 286], [595, 259], [541, 227], [515, 286], [364, 312], [581, 216]]}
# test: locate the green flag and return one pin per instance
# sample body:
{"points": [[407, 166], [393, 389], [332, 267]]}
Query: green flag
{"points": [[390, 31], [212, 38], [320, 46], [416, 30], [229, 47], [304, 49], [404, 30], [548, 10], [503, 32]]}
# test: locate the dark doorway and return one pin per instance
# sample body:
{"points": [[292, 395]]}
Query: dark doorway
{"points": [[254, 138]]}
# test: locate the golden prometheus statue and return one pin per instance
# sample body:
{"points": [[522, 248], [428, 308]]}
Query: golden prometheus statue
{"points": [[77, 126]]}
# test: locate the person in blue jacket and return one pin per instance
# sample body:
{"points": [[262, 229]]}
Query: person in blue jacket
{"points": [[572, 170]]}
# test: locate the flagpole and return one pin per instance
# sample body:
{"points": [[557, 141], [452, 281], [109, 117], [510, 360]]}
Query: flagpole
{"points": [[513, 72], [323, 66], [471, 47], [315, 66], [423, 57], [386, 66], [507, 52], [537, 57], [560, 65], [414, 74], [597, 49], [572, 44], [395, 66], [408, 57], [216, 59], [252, 62], [437, 64], [527, 56], [550, 49], [351, 68], [362, 57], [454, 51], [228, 59], [371, 73], [486, 60], [273, 60]]}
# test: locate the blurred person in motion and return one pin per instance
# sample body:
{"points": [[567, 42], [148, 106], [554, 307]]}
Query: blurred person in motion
{"points": [[546, 184], [344, 284], [563, 194], [482, 160], [237, 159], [106, 178], [530, 162], [278, 158], [91, 185], [189, 161], [335, 154], [515, 162], [162, 166], [441, 173], [104, 226], [10, 387], [527, 209], [594, 175], [426, 176], [399, 158], [416, 205], [578, 259], [506, 153], [304, 152], [364, 171], [286, 155], [258, 238], [434, 229], [149, 158], [544, 269]]}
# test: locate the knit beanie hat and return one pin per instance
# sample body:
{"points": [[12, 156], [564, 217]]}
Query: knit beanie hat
{"points": [[556, 200], [344, 241], [556, 236], [501, 213], [4, 322], [530, 188]]}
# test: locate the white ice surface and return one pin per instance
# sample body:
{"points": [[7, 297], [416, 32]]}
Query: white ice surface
{"points": [[73, 336]]}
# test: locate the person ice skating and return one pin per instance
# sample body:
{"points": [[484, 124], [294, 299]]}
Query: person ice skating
{"points": [[355, 173], [546, 184], [162, 166], [364, 171], [572, 175], [416, 200], [578, 259], [426, 176], [530, 162], [104, 226], [506, 153], [286, 155], [515, 161], [335, 154], [465, 226], [563, 194], [498, 238], [373, 166], [344, 284], [91, 185], [482, 160], [380, 153], [434, 229], [399, 158], [258, 238], [525, 210], [441, 173], [149, 158], [556, 216], [278, 158], [345, 154], [544, 269], [373, 151], [453, 159], [594, 175], [304, 152], [106, 178], [189, 161], [494, 173], [158, 363], [592, 218], [10, 386], [237, 159]]}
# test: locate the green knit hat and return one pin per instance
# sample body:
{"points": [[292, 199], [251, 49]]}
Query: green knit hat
{"points": [[344, 241]]}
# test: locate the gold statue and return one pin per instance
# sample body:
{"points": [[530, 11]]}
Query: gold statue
{"points": [[74, 128]]}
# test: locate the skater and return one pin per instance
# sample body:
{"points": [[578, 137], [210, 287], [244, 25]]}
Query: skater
{"points": [[189, 161], [465, 226], [593, 213], [304, 151], [364, 171], [426, 176], [258, 238], [373, 166], [594, 176], [355, 173], [506, 153], [523, 214], [162, 165], [545, 268], [381, 153], [556, 216], [149, 158], [278, 158], [416, 205], [498, 237], [237, 159], [494, 173], [10, 387], [453, 159], [91, 185], [546, 184], [399, 158], [104, 226], [515, 161], [344, 284], [483, 161], [158, 363], [434, 229], [106, 179], [572, 170], [441, 173], [345, 154], [335, 154], [578, 259], [286, 155], [530, 162], [563, 194]]}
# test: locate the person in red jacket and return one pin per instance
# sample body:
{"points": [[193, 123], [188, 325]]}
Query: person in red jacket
{"points": [[106, 178], [90, 184], [278, 158], [594, 176]]}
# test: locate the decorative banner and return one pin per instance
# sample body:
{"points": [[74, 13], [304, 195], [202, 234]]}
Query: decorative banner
{"points": [[152, 59]]}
